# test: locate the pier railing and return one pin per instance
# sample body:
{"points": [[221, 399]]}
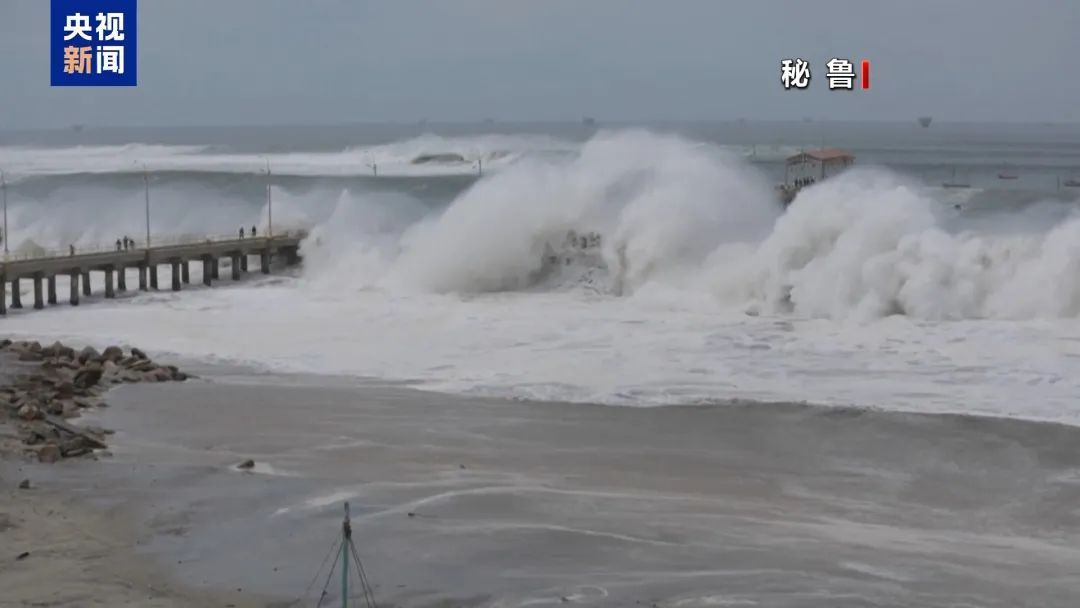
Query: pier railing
{"points": [[156, 242]]}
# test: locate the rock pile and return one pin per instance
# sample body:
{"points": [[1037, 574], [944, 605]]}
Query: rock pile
{"points": [[62, 384]]}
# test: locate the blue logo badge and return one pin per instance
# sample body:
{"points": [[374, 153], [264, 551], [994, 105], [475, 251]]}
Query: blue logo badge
{"points": [[93, 43]]}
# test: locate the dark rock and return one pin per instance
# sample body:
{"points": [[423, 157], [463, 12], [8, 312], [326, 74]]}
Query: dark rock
{"points": [[88, 354], [68, 409], [247, 464], [138, 354], [87, 402], [65, 389], [88, 376], [55, 407], [34, 347], [28, 355], [24, 484], [5, 343], [48, 454], [30, 412], [22, 556], [75, 447], [113, 353]]}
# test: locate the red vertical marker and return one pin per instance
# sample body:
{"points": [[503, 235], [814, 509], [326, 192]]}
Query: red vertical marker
{"points": [[865, 73]]}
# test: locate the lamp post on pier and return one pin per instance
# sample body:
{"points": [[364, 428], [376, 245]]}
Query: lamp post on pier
{"points": [[146, 188], [269, 203], [3, 194]]}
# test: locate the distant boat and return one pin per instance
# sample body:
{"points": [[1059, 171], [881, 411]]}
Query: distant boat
{"points": [[953, 183], [588, 121], [1071, 183], [924, 121], [1006, 176], [77, 128]]}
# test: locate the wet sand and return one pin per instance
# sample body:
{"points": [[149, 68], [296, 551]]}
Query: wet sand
{"points": [[544, 503]]}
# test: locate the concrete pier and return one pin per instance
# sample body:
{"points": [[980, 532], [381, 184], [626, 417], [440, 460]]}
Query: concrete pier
{"points": [[77, 268], [39, 294]]}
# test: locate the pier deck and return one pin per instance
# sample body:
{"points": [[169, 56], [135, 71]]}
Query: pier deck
{"points": [[43, 267]]}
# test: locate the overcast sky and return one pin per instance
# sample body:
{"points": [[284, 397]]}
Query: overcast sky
{"points": [[219, 62]]}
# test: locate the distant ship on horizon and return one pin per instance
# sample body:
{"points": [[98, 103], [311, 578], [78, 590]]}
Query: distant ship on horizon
{"points": [[924, 121]]}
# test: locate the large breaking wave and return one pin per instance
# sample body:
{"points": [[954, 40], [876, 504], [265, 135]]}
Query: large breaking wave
{"points": [[683, 217]]}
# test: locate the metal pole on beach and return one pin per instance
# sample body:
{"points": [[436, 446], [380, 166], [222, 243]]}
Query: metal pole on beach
{"points": [[269, 203], [346, 532]]}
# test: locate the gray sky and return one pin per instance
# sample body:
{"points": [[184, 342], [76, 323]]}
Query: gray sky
{"points": [[217, 62]]}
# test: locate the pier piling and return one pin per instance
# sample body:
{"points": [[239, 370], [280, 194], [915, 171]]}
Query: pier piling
{"points": [[16, 294], [109, 291], [185, 272], [39, 299], [153, 277], [86, 283], [176, 275], [52, 289], [121, 278], [74, 283]]}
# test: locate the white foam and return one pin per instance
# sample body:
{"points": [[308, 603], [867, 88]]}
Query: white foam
{"points": [[722, 296]]}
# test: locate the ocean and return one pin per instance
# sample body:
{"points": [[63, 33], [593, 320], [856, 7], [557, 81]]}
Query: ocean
{"points": [[878, 289], [868, 399]]}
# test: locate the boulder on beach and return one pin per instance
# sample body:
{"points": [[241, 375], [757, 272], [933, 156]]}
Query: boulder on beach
{"points": [[49, 453], [113, 353], [88, 354]]}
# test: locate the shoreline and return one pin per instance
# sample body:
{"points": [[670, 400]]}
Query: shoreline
{"points": [[472, 501]]}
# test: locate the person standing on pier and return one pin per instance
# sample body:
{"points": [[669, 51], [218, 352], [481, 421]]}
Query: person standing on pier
{"points": [[241, 232], [71, 248], [253, 231], [118, 244]]}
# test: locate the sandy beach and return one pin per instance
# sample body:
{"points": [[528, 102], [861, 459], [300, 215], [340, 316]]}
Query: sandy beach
{"points": [[519, 503]]}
